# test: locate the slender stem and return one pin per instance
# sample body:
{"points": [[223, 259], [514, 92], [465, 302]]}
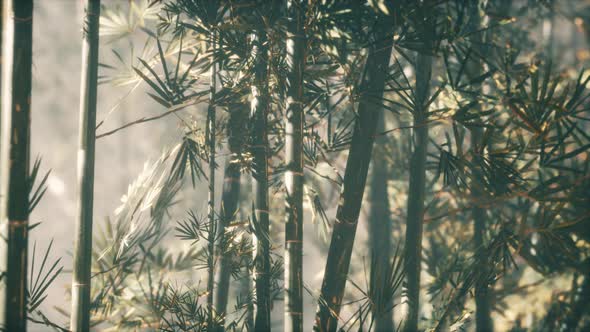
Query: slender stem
{"points": [[211, 197], [259, 110], [416, 194], [483, 292], [80, 317], [143, 120], [380, 229], [246, 284], [328, 107], [230, 197], [16, 118], [355, 177], [294, 120], [212, 15]]}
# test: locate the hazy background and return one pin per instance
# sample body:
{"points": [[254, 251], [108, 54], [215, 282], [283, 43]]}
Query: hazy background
{"points": [[119, 157], [56, 80]]}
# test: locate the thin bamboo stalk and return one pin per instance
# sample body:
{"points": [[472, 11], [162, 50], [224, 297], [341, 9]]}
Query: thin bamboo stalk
{"points": [[211, 129], [230, 198], [246, 283], [259, 110], [81, 279], [416, 194], [380, 227], [16, 117], [294, 120], [483, 292]]}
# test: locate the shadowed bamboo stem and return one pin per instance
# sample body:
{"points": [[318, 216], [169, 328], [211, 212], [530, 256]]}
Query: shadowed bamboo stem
{"points": [[246, 283], [355, 177], [294, 121], [230, 197], [259, 111], [80, 317], [211, 139], [416, 193], [16, 118], [380, 226], [483, 295]]}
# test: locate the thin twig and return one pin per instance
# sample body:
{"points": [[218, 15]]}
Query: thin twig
{"points": [[146, 119]]}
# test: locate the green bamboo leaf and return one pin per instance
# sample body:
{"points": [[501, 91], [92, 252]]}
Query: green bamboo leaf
{"points": [[153, 85]]}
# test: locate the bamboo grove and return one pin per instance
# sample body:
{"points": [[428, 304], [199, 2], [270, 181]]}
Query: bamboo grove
{"points": [[431, 155]]}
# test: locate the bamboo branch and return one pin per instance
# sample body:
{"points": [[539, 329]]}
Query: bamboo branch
{"points": [[148, 119]]}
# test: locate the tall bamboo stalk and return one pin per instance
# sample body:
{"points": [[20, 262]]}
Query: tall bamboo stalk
{"points": [[355, 176], [259, 111], [212, 145], [16, 118], [380, 227], [294, 120], [416, 194], [80, 317], [230, 198], [483, 292], [246, 282]]}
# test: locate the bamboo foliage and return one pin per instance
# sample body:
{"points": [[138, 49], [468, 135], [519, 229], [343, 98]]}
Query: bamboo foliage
{"points": [[80, 318], [16, 117]]}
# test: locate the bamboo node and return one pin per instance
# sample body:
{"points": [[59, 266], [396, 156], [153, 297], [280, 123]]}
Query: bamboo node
{"points": [[18, 223], [76, 284], [294, 313]]}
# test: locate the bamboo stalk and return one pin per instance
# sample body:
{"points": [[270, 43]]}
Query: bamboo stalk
{"points": [[259, 111], [80, 316], [380, 227], [16, 118], [230, 197], [355, 176], [294, 120], [246, 293], [212, 145], [416, 194], [246, 283], [483, 292]]}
